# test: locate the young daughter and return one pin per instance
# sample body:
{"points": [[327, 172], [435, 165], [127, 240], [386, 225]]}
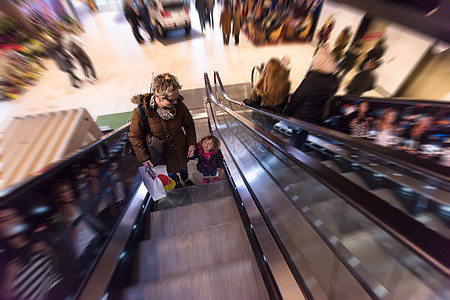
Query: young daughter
{"points": [[210, 158]]}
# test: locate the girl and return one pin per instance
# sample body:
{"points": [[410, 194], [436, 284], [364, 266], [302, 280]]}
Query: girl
{"points": [[210, 158]]}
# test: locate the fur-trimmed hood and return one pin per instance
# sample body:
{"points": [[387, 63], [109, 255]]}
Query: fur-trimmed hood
{"points": [[141, 98]]}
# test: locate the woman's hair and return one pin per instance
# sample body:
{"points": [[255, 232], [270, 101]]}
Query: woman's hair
{"points": [[165, 84], [273, 86], [382, 120], [215, 140]]}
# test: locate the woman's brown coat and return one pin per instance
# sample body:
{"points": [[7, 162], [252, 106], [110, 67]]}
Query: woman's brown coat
{"points": [[176, 141]]}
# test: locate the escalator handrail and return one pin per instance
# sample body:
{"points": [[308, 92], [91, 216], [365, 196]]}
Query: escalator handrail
{"points": [[22, 187], [423, 241], [439, 176]]}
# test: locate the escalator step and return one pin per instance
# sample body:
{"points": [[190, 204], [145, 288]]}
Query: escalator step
{"points": [[332, 165], [389, 197], [165, 257], [195, 194], [356, 178], [174, 221], [235, 280]]}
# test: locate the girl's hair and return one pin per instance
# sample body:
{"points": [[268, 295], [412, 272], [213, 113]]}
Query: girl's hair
{"points": [[165, 84], [273, 86], [215, 141]]}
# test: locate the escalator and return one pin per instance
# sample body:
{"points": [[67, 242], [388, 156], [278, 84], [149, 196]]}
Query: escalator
{"points": [[416, 187], [281, 223]]}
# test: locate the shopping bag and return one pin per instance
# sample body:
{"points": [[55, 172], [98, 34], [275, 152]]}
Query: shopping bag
{"points": [[161, 172], [152, 183]]}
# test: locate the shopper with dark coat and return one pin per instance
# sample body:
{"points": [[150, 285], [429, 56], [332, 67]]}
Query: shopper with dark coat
{"points": [[363, 81], [349, 60], [132, 18], [145, 17], [64, 62], [169, 120], [375, 53], [308, 101], [75, 46]]}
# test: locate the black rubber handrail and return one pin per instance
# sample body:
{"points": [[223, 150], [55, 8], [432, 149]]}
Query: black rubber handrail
{"points": [[439, 175], [422, 240]]}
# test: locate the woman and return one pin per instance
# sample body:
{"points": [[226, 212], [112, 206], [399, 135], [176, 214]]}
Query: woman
{"points": [[272, 89], [167, 117], [386, 135], [270, 92]]}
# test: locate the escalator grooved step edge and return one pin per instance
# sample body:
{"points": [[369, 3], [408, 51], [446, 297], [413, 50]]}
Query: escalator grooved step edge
{"points": [[239, 279], [196, 230], [191, 217], [179, 254]]}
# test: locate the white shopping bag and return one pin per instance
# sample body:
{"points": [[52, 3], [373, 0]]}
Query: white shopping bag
{"points": [[152, 182]]}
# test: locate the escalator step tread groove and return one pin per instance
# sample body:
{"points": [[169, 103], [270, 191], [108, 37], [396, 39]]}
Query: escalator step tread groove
{"points": [[191, 217], [194, 194], [234, 280], [184, 253]]}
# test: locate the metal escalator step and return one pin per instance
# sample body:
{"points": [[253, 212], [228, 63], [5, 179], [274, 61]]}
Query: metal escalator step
{"points": [[235, 280], [195, 194], [169, 222], [356, 178], [311, 191], [432, 221], [381, 255], [332, 165], [389, 197], [178, 254], [314, 154]]}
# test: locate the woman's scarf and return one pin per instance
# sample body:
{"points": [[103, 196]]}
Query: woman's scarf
{"points": [[164, 113]]}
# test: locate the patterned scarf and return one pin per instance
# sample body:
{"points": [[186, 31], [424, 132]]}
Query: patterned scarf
{"points": [[164, 113]]}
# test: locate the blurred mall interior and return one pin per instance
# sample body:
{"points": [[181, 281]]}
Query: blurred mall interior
{"points": [[341, 216]]}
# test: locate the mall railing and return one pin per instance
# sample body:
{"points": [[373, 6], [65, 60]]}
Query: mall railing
{"points": [[413, 236]]}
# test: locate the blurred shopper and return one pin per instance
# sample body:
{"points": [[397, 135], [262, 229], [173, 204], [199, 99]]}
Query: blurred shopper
{"points": [[131, 14], [145, 18], [272, 89], [200, 5], [375, 53], [75, 44], [237, 22], [30, 272], [225, 23], [358, 122], [64, 62], [349, 60], [417, 135], [386, 128], [324, 33], [210, 12], [341, 43], [363, 81], [170, 121], [309, 100], [84, 238]]}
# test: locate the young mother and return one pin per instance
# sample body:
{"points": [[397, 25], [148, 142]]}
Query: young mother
{"points": [[169, 120]]}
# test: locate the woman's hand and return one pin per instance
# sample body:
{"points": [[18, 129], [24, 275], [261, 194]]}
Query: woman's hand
{"points": [[242, 103], [147, 163], [191, 151]]}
